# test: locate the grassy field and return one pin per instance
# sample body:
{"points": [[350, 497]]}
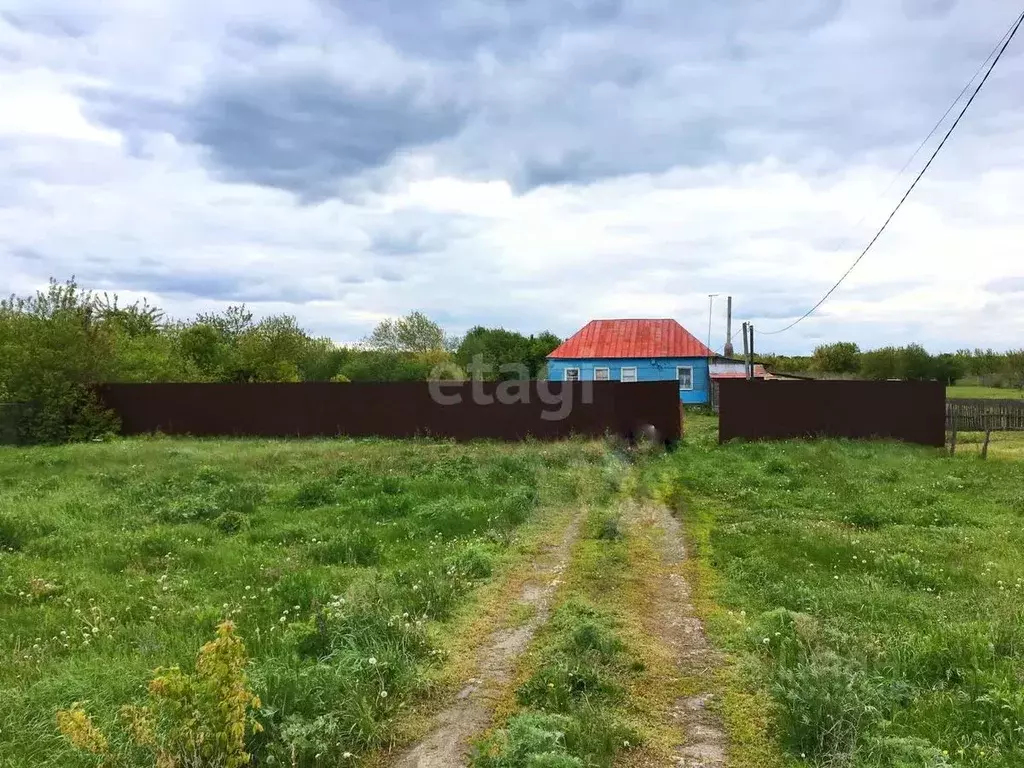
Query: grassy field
{"points": [[338, 562], [869, 597], [876, 591], [962, 392]]}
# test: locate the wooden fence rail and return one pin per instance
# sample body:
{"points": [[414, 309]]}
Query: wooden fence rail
{"points": [[979, 415]]}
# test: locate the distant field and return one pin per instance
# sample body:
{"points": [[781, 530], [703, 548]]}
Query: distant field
{"points": [[337, 561], [874, 591], [971, 392]]}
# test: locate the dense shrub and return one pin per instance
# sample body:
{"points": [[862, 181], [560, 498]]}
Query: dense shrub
{"points": [[52, 350]]}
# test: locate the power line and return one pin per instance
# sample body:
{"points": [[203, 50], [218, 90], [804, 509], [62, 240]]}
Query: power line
{"points": [[941, 120], [1006, 40]]}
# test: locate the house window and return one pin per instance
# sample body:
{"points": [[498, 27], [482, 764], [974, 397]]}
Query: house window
{"points": [[572, 374], [602, 374], [685, 375], [628, 375]]}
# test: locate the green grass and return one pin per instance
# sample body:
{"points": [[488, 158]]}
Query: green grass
{"points": [[572, 706], [1004, 445], [568, 708], [963, 392], [874, 591], [337, 560]]}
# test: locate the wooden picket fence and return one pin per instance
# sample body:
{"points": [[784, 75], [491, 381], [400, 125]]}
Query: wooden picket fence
{"points": [[980, 415]]}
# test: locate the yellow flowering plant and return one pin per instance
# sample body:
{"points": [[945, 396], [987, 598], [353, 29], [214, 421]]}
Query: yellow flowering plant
{"points": [[200, 718]]}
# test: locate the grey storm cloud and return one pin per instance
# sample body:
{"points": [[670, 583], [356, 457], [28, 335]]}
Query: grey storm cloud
{"points": [[411, 233], [403, 243], [306, 135], [550, 92], [219, 287], [69, 22], [461, 28]]}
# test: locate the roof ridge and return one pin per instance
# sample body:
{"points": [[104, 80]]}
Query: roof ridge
{"points": [[645, 337], [634, 320]]}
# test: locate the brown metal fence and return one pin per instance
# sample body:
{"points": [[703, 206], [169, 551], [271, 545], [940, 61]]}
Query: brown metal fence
{"points": [[459, 410], [979, 415], [913, 411]]}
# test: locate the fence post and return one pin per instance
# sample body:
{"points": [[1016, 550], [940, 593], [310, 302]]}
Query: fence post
{"points": [[988, 435], [952, 439]]}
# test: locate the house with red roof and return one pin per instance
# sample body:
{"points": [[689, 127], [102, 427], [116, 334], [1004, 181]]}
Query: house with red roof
{"points": [[636, 350]]}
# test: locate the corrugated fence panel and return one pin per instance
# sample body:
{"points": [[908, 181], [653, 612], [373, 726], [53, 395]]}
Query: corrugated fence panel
{"points": [[912, 411], [978, 415], [459, 410]]}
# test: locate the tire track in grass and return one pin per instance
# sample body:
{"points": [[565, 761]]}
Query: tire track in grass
{"points": [[588, 690], [672, 617], [448, 742]]}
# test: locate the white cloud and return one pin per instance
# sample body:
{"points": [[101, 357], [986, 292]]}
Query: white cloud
{"points": [[36, 104], [533, 170]]}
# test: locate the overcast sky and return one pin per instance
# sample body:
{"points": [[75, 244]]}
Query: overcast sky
{"points": [[526, 163]]}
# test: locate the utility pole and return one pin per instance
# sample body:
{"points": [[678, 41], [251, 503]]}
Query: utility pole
{"points": [[711, 306], [727, 350], [747, 352], [751, 328]]}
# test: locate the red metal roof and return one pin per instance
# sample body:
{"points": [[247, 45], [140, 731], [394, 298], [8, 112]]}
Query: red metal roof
{"points": [[631, 338]]}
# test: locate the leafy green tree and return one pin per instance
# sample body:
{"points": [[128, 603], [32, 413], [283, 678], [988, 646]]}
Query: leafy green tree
{"points": [[785, 363], [413, 333], [914, 363], [1014, 367], [948, 368], [840, 357], [880, 364], [132, 320], [376, 365], [271, 350], [322, 359], [206, 349], [498, 347], [541, 345], [986, 362], [150, 358], [231, 323], [53, 350]]}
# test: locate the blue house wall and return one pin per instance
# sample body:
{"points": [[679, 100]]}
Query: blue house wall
{"points": [[647, 369]]}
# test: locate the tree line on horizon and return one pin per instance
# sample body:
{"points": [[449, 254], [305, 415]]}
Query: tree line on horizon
{"points": [[912, 362], [57, 345]]}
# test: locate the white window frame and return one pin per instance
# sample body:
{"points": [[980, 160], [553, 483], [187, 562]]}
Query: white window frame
{"points": [[607, 374], [680, 368], [622, 374], [565, 374]]}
